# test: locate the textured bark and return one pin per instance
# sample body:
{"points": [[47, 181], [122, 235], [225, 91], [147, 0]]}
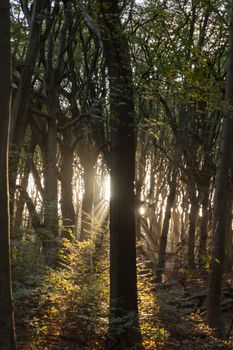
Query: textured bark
{"points": [[21, 101], [88, 155], [228, 261], [87, 204], [67, 207], [220, 219], [52, 80], [166, 223], [142, 146], [192, 225], [123, 281], [24, 183], [7, 334], [204, 225], [50, 180], [20, 203], [19, 116]]}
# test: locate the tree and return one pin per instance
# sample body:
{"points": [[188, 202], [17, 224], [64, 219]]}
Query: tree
{"points": [[123, 281], [7, 334], [20, 104], [221, 206], [166, 222]]}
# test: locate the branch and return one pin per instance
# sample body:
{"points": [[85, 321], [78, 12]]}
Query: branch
{"points": [[31, 208], [169, 114], [89, 22], [36, 177], [39, 113]]}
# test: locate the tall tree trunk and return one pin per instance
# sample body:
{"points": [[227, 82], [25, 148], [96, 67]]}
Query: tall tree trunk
{"points": [[220, 219], [7, 334], [52, 80], [166, 222], [50, 179], [24, 183], [192, 225], [67, 207], [21, 100], [140, 177], [204, 225], [87, 204], [123, 281], [228, 263], [88, 155]]}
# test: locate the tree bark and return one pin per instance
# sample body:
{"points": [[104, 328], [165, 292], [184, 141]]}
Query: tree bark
{"points": [[19, 116], [50, 179], [228, 261], [21, 101], [220, 219], [67, 207], [24, 183], [204, 225], [7, 333], [52, 80], [192, 225], [88, 154], [166, 223], [87, 204], [123, 281]]}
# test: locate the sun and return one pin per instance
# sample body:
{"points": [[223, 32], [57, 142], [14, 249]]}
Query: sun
{"points": [[142, 210]]}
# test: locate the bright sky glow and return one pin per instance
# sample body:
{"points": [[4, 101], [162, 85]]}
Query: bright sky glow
{"points": [[142, 210], [107, 189]]}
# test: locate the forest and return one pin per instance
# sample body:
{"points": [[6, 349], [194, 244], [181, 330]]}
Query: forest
{"points": [[116, 174]]}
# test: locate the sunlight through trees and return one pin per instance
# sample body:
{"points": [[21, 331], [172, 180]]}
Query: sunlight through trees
{"points": [[116, 175]]}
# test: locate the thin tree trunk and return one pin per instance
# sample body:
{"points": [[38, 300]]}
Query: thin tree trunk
{"points": [[21, 101], [88, 155], [24, 183], [87, 204], [67, 207], [50, 179], [7, 333], [140, 176], [19, 116], [228, 242], [52, 80], [220, 219], [204, 225], [192, 226], [166, 223]]}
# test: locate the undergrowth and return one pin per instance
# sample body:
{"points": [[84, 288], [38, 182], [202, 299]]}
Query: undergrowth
{"points": [[67, 308]]}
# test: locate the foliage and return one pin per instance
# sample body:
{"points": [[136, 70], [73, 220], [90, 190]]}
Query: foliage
{"points": [[153, 332], [69, 305], [71, 302]]}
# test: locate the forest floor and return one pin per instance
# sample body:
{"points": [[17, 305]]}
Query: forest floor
{"points": [[185, 320], [67, 309]]}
